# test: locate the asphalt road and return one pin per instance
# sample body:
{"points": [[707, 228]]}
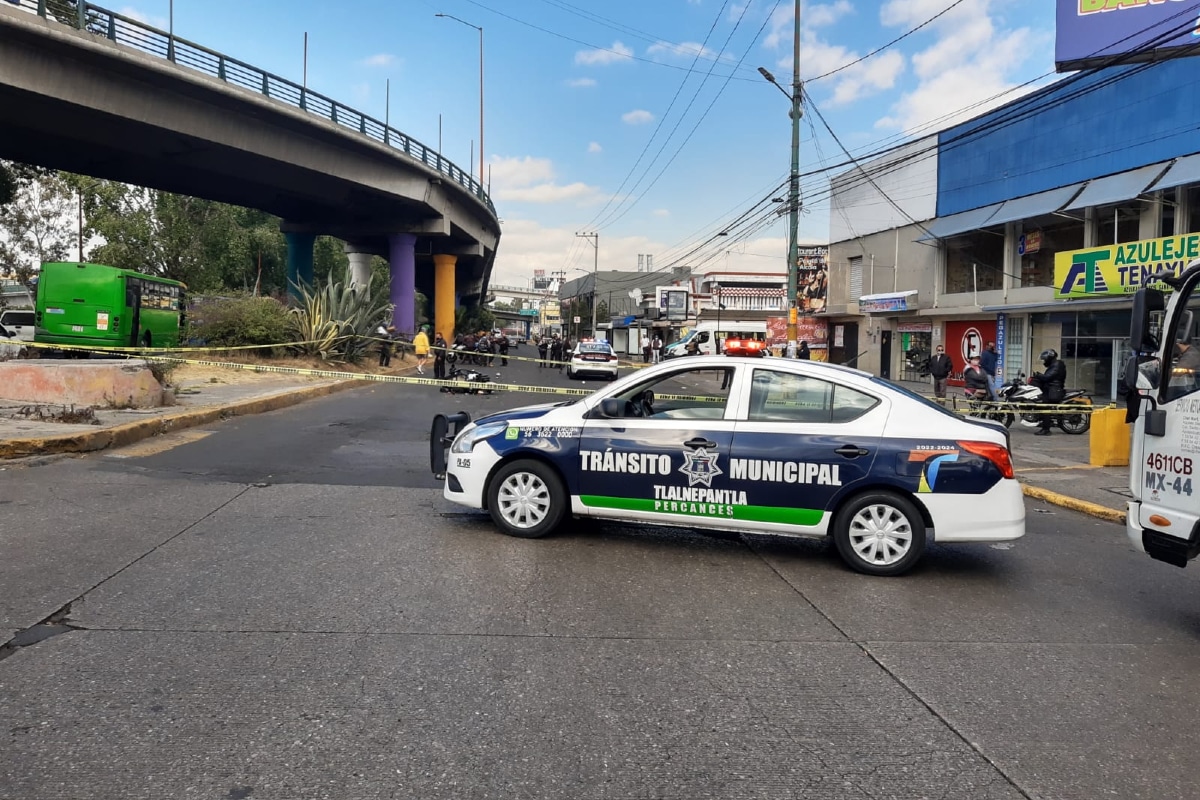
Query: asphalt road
{"points": [[282, 606]]}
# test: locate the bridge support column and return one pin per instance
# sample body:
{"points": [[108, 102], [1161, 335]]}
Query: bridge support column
{"points": [[360, 267], [444, 299], [299, 261], [403, 262]]}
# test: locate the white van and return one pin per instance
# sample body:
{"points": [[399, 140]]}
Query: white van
{"points": [[706, 335]]}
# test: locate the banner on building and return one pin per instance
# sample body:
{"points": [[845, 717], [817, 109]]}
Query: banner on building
{"points": [[891, 301], [812, 278], [1120, 269], [1090, 32], [914, 327], [814, 330], [674, 303], [966, 339]]}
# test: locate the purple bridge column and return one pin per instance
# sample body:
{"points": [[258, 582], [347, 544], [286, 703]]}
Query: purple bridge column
{"points": [[403, 262]]}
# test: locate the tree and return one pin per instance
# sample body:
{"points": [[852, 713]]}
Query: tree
{"points": [[36, 225]]}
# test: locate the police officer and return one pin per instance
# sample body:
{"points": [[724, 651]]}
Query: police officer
{"points": [[1052, 383]]}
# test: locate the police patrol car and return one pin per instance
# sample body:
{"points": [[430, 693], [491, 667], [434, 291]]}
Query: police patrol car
{"points": [[766, 446]]}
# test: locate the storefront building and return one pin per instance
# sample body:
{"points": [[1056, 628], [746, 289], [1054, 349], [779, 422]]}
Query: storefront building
{"points": [[1030, 226]]}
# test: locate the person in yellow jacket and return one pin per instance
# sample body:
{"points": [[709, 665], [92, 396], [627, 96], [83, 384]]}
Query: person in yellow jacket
{"points": [[421, 348]]}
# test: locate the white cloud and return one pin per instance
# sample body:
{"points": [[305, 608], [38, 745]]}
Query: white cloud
{"points": [[971, 61], [820, 16], [581, 83], [637, 117], [661, 212], [600, 57], [689, 50], [379, 60], [532, 180], [146, 19], [594, 147]]}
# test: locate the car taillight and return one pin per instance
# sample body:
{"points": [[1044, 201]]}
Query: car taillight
{"points": [[996, 453]]}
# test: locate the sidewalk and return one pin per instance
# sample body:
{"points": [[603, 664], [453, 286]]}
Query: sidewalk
{"points": [[1052, 468]]}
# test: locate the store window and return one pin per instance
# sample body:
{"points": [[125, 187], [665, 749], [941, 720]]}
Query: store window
{"points": [[1119, 223], [975, 262], [1037, 269], [1089, 344], [917, 347]]}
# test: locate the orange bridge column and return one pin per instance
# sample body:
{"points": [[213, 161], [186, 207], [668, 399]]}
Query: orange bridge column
{"points": [[443, 295]]}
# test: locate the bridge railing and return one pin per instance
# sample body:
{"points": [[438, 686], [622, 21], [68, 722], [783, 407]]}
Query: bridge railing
{"points": [[146, 38]]}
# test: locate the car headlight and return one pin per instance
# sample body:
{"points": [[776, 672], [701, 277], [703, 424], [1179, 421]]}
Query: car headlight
{"points": [[467, 440]]}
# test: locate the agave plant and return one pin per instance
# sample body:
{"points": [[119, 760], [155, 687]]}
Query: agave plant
{"points": [[335, 321]]}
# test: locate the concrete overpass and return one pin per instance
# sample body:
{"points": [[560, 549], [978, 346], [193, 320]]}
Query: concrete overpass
{"points": [[104, 95]]}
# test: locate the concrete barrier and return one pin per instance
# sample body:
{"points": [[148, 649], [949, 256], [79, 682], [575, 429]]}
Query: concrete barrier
{"points": [[106, 384]]}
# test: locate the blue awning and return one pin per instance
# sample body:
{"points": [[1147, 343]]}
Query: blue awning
{"points": [[1034, 205], [1184, 170], [943, 227], [1117, 188]]}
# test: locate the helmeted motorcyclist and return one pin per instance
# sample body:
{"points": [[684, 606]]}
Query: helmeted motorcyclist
{"points": [[1052, 383]]}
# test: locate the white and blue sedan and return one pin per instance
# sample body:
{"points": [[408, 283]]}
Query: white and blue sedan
{"points": [[763, 446]]}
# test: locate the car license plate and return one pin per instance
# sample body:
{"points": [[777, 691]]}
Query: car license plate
{"points": [[77, 328]]}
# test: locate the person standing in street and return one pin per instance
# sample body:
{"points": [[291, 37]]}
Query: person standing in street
{"points": [[990, 363], [439, 356], [386, 335], [647, 349], [804, 354], [421, 348], [975, 380], [503, 347], [656, 349], [543, 348], [940, 367]]}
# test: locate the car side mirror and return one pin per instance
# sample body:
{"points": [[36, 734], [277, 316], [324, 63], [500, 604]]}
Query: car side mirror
{"points": [[1145, 302], [612, 408]]}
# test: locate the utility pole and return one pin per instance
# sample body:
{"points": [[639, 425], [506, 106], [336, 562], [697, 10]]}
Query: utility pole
{"points": [[793, 184], [595, 238]]}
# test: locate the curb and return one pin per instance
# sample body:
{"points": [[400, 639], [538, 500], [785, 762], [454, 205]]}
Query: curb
{"points": [[1074, 504], [120, 435]]}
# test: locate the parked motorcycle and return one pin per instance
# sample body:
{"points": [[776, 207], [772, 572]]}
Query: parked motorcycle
{"points": [[1025, 398]]}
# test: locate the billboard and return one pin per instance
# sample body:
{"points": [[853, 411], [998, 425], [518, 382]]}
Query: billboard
{"points": [[1121, 269], [1090, 33], [814, 330], [812, 277]]}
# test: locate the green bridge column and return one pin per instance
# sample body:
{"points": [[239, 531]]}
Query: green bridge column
{"points": [[299, 261]]}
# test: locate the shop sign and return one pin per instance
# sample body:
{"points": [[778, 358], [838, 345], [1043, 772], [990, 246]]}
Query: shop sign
{"points": [[1121, 269], [896, 301], [914, 327], [1030, 243], [964, 340]]}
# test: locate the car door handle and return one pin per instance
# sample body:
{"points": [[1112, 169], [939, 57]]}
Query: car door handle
{"points": [[697, 443], [851, 451]]}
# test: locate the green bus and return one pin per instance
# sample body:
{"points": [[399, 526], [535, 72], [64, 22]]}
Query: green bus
{"points": [[94, 305]]}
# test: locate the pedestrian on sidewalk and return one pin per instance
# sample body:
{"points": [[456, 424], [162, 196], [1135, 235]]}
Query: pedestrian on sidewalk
{"points": [[647, 350], [385, 334], [656, 345], [940, 367], [439, 356], [421, 348], [975, 379], [991, 365], [804, 354]]}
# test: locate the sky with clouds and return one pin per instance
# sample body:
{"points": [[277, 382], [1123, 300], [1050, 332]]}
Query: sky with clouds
{"points": [[645, 121]]}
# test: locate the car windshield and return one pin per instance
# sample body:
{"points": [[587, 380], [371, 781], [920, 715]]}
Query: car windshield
{"points": [[593, 347]]}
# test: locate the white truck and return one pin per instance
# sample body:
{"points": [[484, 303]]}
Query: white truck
{"points": [[706, 335], [1162, 380]]}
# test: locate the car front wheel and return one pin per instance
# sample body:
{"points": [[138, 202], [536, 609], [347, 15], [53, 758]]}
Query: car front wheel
{"points": [[527, 499], [879, 533]]}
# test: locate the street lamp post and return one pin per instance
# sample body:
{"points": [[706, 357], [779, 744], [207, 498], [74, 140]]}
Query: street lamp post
{"points": [[595, 239], [480, 29], [793, 183], [717, 294]]}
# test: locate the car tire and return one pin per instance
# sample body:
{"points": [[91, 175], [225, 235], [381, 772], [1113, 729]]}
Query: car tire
{"points": [[527, 499], [570, 375], [879, 533]]}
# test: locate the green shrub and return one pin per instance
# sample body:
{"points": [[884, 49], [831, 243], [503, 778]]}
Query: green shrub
{"points": [[238, 320], [335, 321]]}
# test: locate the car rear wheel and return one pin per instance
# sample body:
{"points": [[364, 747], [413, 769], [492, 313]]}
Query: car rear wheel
{"points": [[880, 533], [527, 499]]}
